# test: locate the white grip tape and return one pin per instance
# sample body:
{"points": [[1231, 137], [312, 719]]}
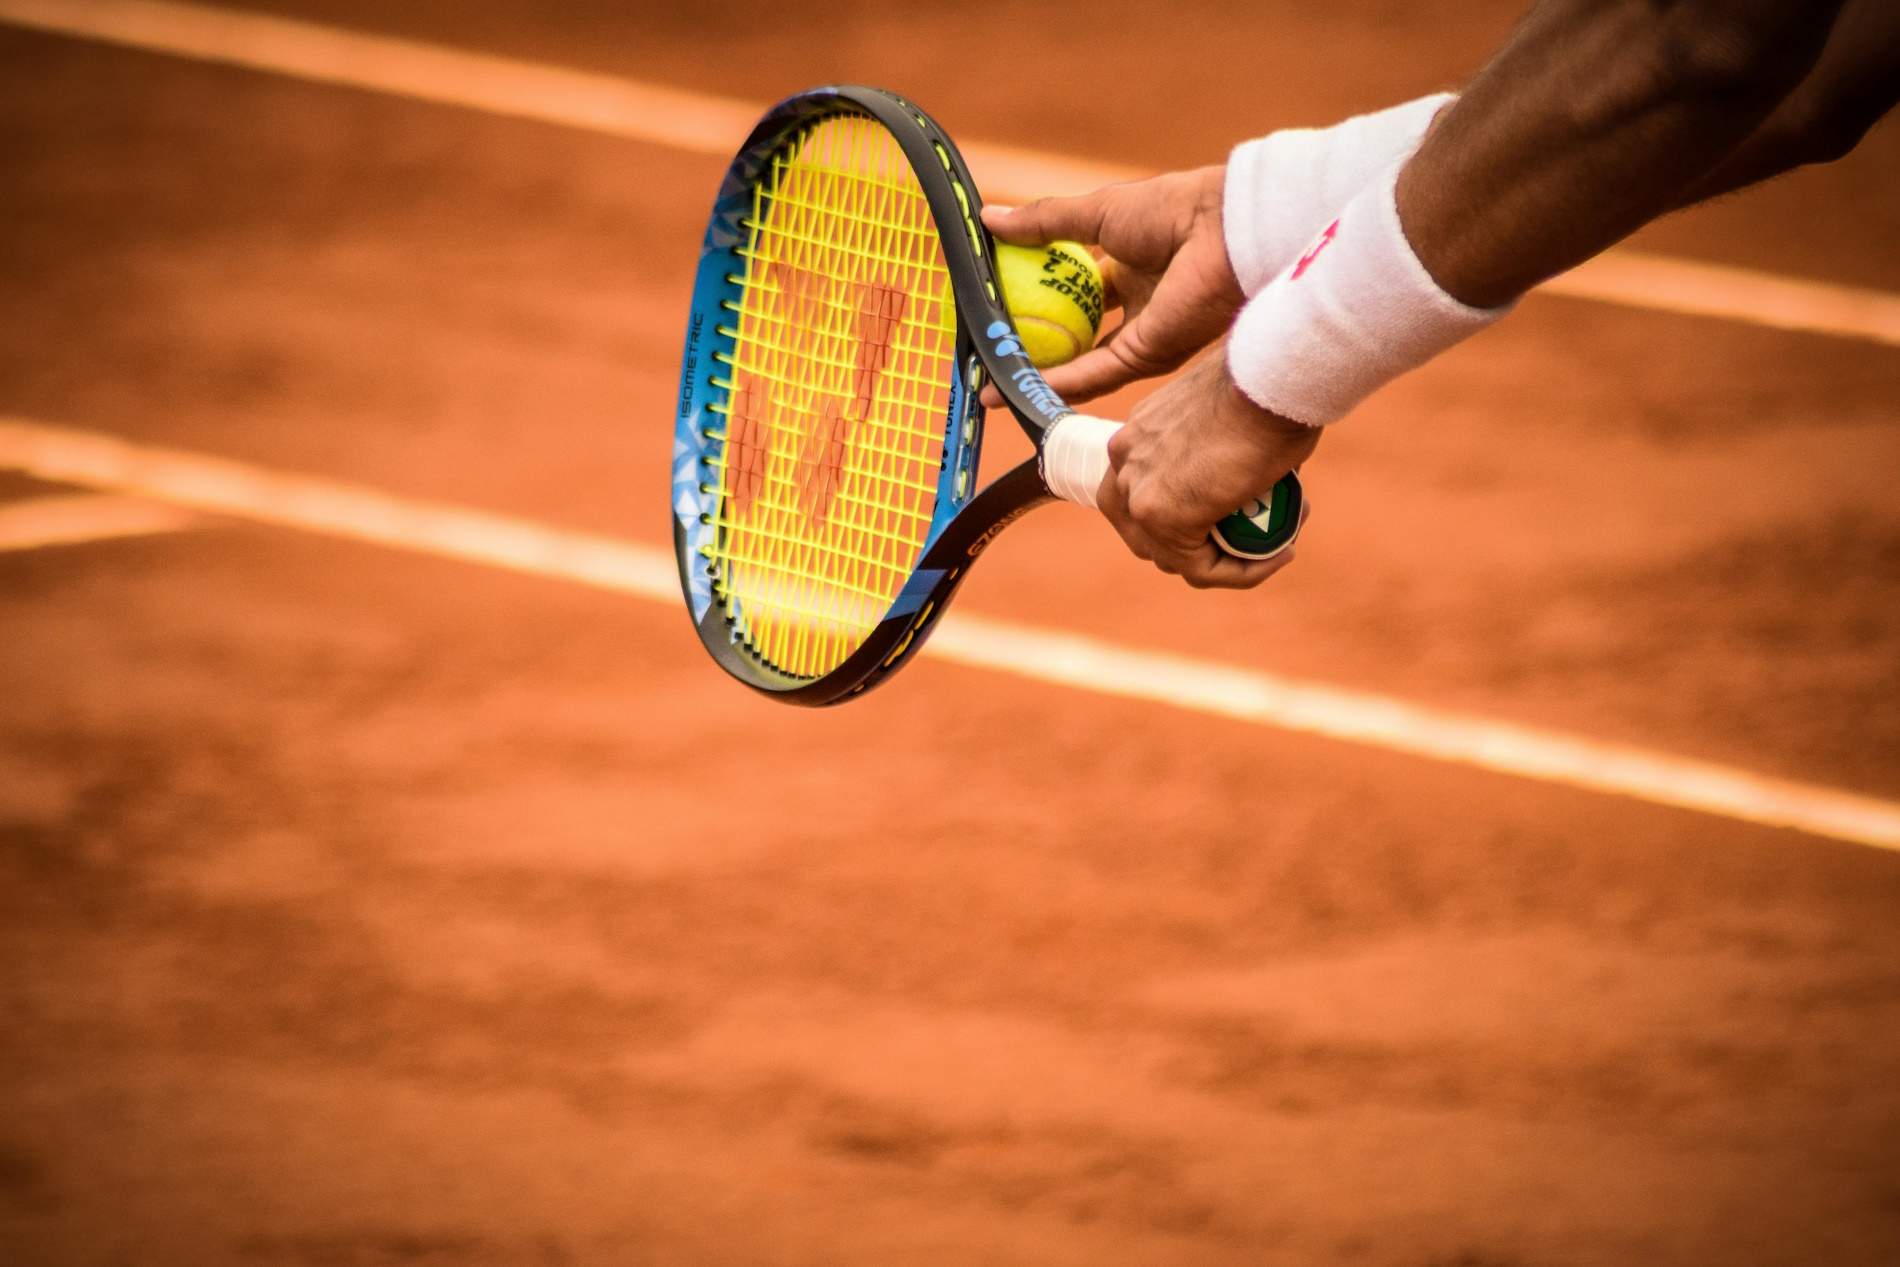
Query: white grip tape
{"points": [[1075, 457]]}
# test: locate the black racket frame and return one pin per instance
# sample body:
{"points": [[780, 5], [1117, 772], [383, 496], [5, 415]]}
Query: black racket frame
{"points": [[986, 349]]}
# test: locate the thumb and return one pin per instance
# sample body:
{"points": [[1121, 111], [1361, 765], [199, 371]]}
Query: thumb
{"points": [[1142, 347], [1078, 219], [1097, 372]]}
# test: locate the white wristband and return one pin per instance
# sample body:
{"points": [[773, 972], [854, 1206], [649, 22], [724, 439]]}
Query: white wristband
{"points": [[1285, 187], [1354, 312]]}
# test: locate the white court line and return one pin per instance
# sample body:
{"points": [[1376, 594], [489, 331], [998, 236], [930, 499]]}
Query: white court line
{"points": [[240, 490], [33, 523], [1638, 279], [706, 124]]}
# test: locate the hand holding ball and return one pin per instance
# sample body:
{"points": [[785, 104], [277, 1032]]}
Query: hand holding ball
{"points": [[1055, 294]]}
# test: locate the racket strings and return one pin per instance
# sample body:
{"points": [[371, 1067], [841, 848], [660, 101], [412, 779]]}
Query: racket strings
{"points": [[843, 351]]}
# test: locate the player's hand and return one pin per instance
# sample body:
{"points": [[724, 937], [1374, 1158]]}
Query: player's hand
{"points": [[1186, 457], [1166, 268]]}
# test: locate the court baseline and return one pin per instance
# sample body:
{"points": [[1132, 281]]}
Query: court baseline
{"points": [[220, 486]]}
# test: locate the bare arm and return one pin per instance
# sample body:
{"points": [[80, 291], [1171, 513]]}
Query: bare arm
{"points": [[1593, 120], [1854, 83], [1166, 246], [1596, 117]]}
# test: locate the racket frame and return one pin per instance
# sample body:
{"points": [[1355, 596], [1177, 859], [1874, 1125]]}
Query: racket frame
{"points": [[987, 348]]}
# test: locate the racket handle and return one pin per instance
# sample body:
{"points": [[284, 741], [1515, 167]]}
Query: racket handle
{"points": [[1075, 462]]}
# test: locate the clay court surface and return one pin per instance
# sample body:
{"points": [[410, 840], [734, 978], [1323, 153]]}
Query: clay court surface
{"points": [[364, 908]]}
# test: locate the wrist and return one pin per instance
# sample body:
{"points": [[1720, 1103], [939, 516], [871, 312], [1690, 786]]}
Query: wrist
{"points": [[1282, 189], [1356, 310], [1269, 427], [1210, 215]]}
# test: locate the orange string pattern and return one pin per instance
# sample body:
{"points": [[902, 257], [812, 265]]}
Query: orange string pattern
{"points": [[837, 390]]}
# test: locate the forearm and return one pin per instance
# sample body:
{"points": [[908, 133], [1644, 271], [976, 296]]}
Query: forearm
{"points": [[1593, 120], [1853, 84]]}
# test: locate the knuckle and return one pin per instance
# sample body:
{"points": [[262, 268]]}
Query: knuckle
{"points": [[1136, 541], [1133, 351], [1028, 217]]}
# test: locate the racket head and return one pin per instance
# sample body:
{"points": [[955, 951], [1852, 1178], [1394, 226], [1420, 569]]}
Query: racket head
{"points": [[844, 312]]}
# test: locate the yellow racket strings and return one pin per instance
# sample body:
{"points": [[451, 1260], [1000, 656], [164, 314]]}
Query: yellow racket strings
{"points": [[837, 394]]}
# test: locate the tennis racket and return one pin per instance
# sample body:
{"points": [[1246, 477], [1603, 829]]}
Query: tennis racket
{"points": [[845, 315]]}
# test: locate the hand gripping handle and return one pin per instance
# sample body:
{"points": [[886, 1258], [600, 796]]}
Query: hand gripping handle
{"points": [[1075, 462]]}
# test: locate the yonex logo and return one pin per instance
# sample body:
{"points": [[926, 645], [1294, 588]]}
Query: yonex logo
{"points": [[1030, 383], [1027, 380]]}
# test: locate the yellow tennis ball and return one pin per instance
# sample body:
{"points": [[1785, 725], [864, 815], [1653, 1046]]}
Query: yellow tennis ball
{"points": [[1055, 294]]}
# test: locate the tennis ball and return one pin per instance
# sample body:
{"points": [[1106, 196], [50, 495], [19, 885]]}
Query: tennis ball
{"points": [[1055, 294]]}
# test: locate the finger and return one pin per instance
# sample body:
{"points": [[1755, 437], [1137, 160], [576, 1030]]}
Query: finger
{"points": [[1094, 373], [1169, 557], [1142, 546], [1097, 372], [1114, 508], [1046, 219], [1212, 569], [1110, 268], [1123, 359], [1220, 570]]}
